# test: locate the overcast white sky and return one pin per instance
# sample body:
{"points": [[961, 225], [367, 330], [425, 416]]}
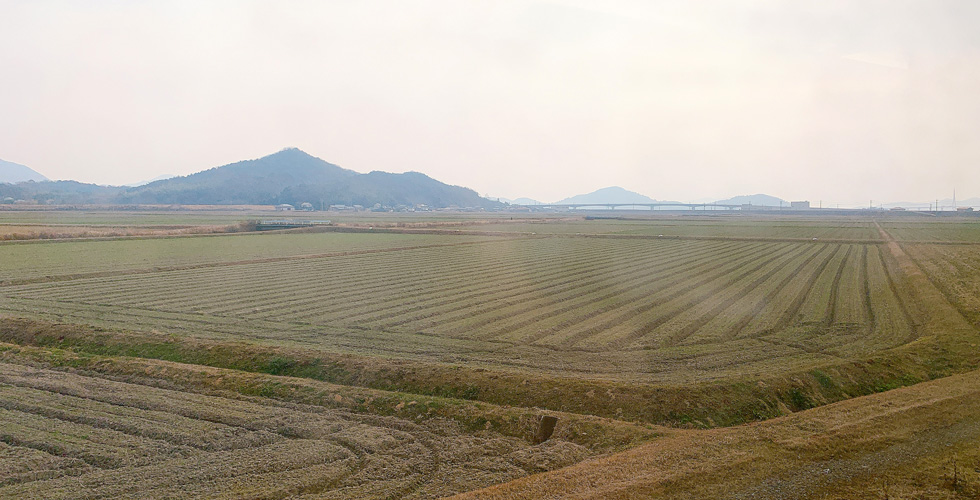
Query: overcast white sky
{"points": [[841, 101]]}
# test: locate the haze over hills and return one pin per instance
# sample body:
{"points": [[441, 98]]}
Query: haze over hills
{"points": [[11, 172], [616, 194], [289, 176], [157, 178], [293, 176], [611, 194], [754, 199], [946, 203], [60, 192], [519, 201]]}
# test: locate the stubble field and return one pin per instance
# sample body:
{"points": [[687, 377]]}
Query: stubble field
{"points": [[696, 321]]}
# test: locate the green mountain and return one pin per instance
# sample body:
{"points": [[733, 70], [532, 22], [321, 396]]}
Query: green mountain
{"points": [[289, 176], [59, 192], [292, 176]]}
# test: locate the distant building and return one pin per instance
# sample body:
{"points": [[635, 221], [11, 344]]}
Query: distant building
{"points": [[285, 207], [801, 205], [897, 209], [306, 206], [964, 209]]}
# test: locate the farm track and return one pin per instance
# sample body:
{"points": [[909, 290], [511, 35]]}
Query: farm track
{"points": [[831, 313], [867, 291], [951, 275], [900, 299], [627, 310], [904, 300], [895, 444]]}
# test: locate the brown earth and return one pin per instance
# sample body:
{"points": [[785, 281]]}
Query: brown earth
{"points": [[903, 443]]}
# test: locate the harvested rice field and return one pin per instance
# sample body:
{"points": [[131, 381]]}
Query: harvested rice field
{"points": [[417, 358]]}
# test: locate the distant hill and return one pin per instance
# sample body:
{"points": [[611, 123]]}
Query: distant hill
{"points": [[289, 176], [11, 172], [60, 192], [293, 176], [754, 199], [612, 194], [157, 178], [520, 201], [944, 203]]}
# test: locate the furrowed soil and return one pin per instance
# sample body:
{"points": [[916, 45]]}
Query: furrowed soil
{"points": [[92, 428], [414, 356], [915, 442]]}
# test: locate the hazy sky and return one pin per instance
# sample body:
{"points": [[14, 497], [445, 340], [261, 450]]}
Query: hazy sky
{"points": [[843, 101]]}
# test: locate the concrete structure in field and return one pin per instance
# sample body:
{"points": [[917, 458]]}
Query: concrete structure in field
{"points": [[799, 205], [267, 225]]}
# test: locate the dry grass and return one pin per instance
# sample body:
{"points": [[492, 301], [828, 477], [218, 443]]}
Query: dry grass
{"points": [[135, 429], [903, 441], [357, 366], [638, 311], [9, 232]]}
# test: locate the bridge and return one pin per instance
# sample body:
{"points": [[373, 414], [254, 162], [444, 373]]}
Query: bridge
{"points": [[651, 206]]}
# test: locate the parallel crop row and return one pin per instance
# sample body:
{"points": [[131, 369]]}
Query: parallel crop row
{"points": [[556, 295]]}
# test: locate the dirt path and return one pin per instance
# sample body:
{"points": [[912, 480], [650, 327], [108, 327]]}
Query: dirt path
{"points": [[819, 479], [854, 444]]}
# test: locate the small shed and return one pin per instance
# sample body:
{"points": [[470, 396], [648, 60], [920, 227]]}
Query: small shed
{"points": [[284, 207]]}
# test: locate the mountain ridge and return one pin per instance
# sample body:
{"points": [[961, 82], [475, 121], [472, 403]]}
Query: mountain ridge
{"points": [[13, 173], [289, 176], [754, 199], [611, 194]]}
